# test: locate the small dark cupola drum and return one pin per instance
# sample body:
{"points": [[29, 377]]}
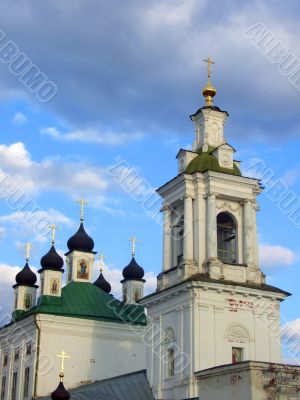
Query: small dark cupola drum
{"points": [[26, 277], [101, 282], [133, 282], [25, 287], [81, 241], [51, 271], [52, 260]]}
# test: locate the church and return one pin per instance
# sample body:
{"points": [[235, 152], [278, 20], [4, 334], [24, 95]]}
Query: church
{"points": [[211, 330]]}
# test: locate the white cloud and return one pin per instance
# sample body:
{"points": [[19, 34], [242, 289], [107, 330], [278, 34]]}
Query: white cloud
{"points": [[172, 13], [72, 178], [91, 136], [15, 157], [273, 256], [19, 119], [33, 224]]}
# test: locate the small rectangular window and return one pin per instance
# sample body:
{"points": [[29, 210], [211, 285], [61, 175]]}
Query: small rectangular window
{"points": [[26, 381], [171, 363], [14, 386], [3, 387], [237, 355]]}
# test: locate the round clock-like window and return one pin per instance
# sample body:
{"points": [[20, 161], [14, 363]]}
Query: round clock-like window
{"points": [[226, 159]]}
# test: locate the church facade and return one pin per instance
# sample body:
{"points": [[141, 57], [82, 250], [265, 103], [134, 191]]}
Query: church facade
{"points": [[211, 330], [103, 334]]}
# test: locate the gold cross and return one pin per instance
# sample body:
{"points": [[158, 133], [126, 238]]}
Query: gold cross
{"points": [[82, 203], [209, 62], [53, 228], [63, 355], [101, 258], [133, 243], [28, 247]]}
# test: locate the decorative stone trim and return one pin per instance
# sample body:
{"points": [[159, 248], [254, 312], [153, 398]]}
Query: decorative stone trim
{"points": [[237, 333], [96, 335]]}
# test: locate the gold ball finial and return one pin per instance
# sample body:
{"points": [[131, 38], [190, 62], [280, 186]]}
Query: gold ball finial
{"points": [[61, 376], [209, 91]]}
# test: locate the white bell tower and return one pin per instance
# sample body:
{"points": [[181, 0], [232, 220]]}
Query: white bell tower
{"points": [[211, 293]]}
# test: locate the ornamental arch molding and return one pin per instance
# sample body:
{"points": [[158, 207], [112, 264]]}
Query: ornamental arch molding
{"points": [[237, 333]]}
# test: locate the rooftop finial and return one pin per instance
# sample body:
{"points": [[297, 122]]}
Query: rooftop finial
{"points": [[82, 203], [63, 355], [53, 228], [209, 91], [133, 241], [101, 258], [28, 247]]}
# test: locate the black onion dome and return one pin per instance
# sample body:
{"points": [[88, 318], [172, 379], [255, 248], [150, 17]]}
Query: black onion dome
{"points": [[80, 241], [26, 277], [133, 271], [60, 393], [52, 260], [102, 283]]}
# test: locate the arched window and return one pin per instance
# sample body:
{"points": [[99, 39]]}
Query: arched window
{"points": [[226, 227], [178, 233]]}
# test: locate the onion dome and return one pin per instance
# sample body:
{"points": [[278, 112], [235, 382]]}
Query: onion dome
{"points": [[26, 277], [102, 283], [133, 271], [60, 393], [52, 260], [80, 241]]}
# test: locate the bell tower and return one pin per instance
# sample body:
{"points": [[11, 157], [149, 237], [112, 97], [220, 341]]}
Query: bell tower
{"points": [[211, 294], [210, 208]]}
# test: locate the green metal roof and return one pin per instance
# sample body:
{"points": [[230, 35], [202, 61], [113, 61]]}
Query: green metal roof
{"points": [[87, 301], [206, 161]]}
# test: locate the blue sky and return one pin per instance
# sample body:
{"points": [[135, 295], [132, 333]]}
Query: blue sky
{"points": [[128, 76]]}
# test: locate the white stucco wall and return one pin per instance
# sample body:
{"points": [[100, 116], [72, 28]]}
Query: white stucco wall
{"points": [[209, 319], [97, 349], [249, 381]]}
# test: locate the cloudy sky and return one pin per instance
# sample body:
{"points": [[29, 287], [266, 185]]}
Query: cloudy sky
{"points": [[128, 74]]}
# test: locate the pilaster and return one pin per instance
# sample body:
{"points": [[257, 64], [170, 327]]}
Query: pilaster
{"points": [[167, 245]]}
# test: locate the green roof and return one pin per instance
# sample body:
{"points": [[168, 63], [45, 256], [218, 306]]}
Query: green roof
{"points": [[205, 161], [87, 301]]}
